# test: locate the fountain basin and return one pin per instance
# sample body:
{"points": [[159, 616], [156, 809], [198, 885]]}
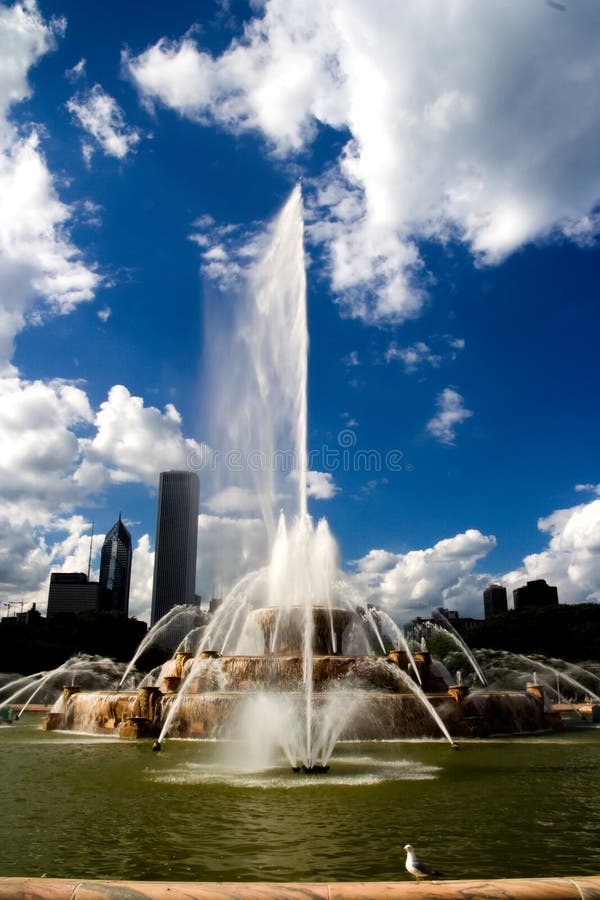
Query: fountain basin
{"points": [[368, 714]]}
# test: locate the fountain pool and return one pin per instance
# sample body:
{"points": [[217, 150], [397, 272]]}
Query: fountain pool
{"points": [[94, 807]]}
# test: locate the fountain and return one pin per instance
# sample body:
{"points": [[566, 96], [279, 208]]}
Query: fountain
{"points": [[294, 654]]}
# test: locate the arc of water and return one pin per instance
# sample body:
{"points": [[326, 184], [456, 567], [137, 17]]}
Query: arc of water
{"points": [[239, 596], [157, 629], [418, 692], [66, 667], [211, 634], [401, 642], [465, 649], [558, 674], [28, 679]]}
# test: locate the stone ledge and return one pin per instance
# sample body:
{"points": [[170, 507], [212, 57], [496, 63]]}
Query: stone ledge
{"points": [[586, 888]]}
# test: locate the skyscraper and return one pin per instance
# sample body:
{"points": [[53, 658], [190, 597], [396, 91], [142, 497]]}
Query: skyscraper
{"points": [[176, 539], [495, 600], [115, 568]]}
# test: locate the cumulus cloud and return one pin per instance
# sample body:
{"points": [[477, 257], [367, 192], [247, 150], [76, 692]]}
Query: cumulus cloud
{"points": [[571, 560], [100, 116], [134, 442], [451, 412], [24, 38], [38, 260], [320, 485], [39, 449], [142, 575], [413, 583], [488, 144], [24, 562], [57, 453]]}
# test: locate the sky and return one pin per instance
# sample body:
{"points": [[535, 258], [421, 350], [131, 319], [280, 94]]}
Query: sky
{"points": [[448, 156]]}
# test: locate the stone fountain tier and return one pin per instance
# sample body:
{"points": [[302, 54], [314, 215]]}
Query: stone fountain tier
{"points": [[98, 712], [286, 673], [369, 714], [284, 628]]}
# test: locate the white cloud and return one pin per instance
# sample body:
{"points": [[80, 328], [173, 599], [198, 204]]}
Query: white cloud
{"points": [[320, 485], [571, 560], [142, 575], [420, 354], [134, 442], [413, 583], [24, 38], [24, 563], [77, 71], [451, 412], [491, 144], [104, 314], [100, 115], [228, 251], [38, 261], [39, 449], [588, 488]]}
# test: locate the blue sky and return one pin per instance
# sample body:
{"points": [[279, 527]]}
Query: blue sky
{"points": [[448, 156]]}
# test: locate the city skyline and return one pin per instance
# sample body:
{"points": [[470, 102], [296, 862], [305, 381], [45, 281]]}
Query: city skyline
{"points": [[451, 204]]}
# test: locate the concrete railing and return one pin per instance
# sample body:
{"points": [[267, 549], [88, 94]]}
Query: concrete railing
{"points": [[587, 888]]}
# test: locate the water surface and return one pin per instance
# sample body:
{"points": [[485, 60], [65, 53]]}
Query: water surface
{"points": [[78, 806]]}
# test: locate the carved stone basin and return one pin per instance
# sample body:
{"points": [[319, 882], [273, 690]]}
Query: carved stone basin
{"points": [[284, 628]]}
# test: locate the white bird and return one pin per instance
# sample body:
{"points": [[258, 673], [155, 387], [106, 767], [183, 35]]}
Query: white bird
{"points": [[418, 868]]}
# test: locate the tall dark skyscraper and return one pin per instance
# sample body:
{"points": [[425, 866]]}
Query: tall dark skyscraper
{"points": [[495, 600], [176, 539], [115, 569]]}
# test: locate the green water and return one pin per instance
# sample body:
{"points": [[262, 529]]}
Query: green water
{"points": [[86, 807]]}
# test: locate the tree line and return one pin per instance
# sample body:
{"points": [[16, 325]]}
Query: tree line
{"points": [[567, 631], [45, 644]]}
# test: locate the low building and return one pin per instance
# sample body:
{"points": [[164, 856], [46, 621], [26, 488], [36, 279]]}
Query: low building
{"points": [[535, 593], [29, 616], [72, 592]]}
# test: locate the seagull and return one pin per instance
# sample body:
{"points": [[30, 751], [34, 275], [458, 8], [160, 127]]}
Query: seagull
{"points": [[418, 868]]}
